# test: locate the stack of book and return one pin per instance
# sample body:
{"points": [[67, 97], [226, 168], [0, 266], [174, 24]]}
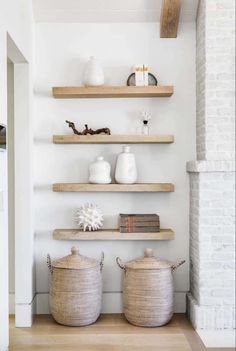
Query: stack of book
{"points": [[139, 223]]}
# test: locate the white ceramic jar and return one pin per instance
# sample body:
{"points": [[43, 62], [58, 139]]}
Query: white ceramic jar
{"points": [[126, 170], [100, 171], [93, 75]]}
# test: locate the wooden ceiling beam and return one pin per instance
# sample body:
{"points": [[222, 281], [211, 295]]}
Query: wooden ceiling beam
{"points": [[169, 18]]}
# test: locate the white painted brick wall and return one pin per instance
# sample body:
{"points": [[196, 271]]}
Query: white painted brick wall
{"points": [[215, 65], [211, 302], [200, 79], [213, 225], [212, 250]]}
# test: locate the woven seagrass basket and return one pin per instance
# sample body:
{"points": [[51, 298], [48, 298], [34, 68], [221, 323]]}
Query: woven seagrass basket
{"points": [[148, 290], [75, 289]]}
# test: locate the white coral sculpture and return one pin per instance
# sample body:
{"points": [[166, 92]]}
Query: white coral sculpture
{"points": [[89, 217]]}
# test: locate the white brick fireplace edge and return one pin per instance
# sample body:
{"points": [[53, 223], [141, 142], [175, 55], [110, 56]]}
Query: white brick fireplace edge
{"points": [[207, 319], [211, 301]]}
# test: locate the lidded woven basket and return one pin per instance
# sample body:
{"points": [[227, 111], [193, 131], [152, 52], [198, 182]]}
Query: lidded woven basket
{"points": [[75, 289], [148, 290]]}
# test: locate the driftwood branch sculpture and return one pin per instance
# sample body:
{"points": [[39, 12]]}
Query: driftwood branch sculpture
{"points": [[88, 130]]}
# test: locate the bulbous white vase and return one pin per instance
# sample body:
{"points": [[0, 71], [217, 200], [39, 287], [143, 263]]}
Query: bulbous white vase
{"points": [[100, 172], [126, 170], [93, 75]]}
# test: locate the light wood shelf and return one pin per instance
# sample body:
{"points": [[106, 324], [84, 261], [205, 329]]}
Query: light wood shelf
{"points": [[110, 234], [113, 139], [112, 92], [138, 187]]}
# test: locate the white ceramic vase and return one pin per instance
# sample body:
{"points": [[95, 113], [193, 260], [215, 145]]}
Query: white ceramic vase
{"points": [[126, 170], [100, 172], [93, 75]]}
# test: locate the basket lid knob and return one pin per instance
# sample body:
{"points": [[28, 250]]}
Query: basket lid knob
{"points": [[74, 250], [148, 252]]}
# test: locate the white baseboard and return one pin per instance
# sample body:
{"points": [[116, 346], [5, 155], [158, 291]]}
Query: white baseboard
{"points": [[210, 317], [111, 302], [42, 303], [217, 338], [24, 314], [180, 302]]}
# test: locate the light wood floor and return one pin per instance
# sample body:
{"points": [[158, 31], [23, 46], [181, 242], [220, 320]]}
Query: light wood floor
{"points": [[110, 333]]}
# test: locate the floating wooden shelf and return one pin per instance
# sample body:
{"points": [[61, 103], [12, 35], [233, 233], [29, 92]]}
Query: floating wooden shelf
{"points": [[113, 139], [138, 187], [112, 92], [110, 234]]}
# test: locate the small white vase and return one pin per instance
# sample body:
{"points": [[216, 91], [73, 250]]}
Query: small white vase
{"points": [[93, 75], [100, 172], [126, 170]]}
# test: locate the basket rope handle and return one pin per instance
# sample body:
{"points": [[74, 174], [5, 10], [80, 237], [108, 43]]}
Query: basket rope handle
{"points": [[120, 264], [49, 263], [102, 260], [176, 265]]}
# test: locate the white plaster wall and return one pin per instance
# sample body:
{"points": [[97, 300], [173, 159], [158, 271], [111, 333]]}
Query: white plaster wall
{"points": [[61, 51], [16, 17]]}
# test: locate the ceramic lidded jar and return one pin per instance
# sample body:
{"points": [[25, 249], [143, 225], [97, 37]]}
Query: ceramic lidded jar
{"points": [[148, 290], [126, 170], [100, 171], [75, 289], [93, 75]]}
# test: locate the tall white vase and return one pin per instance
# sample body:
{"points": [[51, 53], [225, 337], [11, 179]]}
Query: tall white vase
{"points": [[93, 75], [126, 170]]}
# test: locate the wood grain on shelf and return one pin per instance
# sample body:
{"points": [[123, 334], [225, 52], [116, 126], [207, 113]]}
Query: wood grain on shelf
{"points": [[138, 187], [113, 139], [112, 92], [169, 18], [110, 234]]}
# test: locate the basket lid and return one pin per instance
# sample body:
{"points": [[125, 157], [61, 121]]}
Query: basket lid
{"points": [[75, 261], [149, 261]]}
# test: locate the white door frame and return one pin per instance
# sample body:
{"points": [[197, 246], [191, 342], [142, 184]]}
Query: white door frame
{"points": [[23, 146], [23, 140]]}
